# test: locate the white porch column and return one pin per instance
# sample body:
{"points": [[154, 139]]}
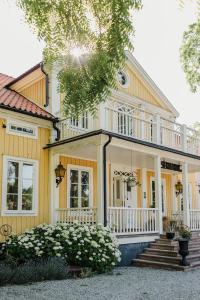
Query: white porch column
{"points": [[144, 187], [158, 182], [186, 211], [100, 185], [173, 193], [54, 191], [103, 122]]}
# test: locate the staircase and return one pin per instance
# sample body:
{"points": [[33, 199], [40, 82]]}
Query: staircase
{"points": [[163, 254]]}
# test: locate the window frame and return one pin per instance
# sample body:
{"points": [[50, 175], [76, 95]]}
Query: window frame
{"points": [[79, 169], [21, 161], [21, 124], [126, 85], [78, 123]]}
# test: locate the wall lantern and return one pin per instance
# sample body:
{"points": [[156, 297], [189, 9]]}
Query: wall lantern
{"points": [[179, 188], [60, 174]]}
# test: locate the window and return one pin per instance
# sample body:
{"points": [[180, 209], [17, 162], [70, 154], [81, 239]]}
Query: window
{"points": [[20, 185], [122, 78], [82, 122], [79, 187], [125, 121], [21, 129]]}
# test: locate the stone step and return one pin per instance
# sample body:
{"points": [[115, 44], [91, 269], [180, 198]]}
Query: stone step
{"points": [[161, 252], [162, 246], [157, 265], [155, 257]]}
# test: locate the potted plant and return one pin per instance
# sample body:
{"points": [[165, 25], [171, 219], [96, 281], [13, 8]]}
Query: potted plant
{"points": [[184, 238], [170, 233], [132, 181]]}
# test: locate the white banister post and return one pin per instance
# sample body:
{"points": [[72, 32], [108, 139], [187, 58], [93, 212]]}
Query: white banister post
{"points": [[186, 211], [184, 138], [144, 187], [173, 195], [100, 185], [158, 129], [54, 191], [158, 182]]}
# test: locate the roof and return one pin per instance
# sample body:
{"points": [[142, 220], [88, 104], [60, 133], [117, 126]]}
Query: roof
{"points": [[11, 100], [151, 83]]}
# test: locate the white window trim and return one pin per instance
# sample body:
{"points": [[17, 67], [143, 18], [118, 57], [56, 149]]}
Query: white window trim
{"points": [[165, 192], [34, 211], [82, 168], [22, 124]]}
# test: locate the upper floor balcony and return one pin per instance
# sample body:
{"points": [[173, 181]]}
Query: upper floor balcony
{"points": [[137, 123]]}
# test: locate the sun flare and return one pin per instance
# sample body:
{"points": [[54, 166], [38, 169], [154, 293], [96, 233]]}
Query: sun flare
{"points": [[77, 51]]}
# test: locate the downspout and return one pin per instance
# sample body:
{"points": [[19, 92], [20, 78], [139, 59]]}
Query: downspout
{"points": [[105, 178], [57, 129], [46, 84]]}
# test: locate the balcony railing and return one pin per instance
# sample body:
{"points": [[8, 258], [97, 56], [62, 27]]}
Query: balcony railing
{"points": [[141, 125], [122, 220]]}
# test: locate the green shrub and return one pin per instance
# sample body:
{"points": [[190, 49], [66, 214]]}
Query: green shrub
{"points": [[32, 271], [81, 245]]}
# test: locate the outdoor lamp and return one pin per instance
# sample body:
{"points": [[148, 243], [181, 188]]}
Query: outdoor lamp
{"points": [[60, 174], [179, 188]]}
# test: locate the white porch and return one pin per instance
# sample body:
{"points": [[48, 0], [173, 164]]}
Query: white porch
{"points": [[138, 217]]}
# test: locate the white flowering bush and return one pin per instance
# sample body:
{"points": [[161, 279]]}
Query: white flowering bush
{"points": [[80, 245]]}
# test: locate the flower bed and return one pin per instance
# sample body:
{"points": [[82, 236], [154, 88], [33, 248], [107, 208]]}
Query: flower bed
{"points": [[80, 245]]}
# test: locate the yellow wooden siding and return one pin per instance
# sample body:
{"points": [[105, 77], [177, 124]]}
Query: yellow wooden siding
{"points": [[36, 92], [63, 186], [138, 89], [17, 146]]}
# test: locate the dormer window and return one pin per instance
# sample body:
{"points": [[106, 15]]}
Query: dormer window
{"points": [[122, 78]]}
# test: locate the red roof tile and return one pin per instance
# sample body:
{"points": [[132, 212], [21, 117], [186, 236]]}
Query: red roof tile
{"points": [[12, 100]]}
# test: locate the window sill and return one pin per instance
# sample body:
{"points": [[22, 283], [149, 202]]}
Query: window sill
{"points": [[18, 213]]}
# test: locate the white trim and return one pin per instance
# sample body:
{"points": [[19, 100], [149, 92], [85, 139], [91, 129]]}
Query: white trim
{"points": [[24, 125], [151, 83], [34, 211], [81, 168]]}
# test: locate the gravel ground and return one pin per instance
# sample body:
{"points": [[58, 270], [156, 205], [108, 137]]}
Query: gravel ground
{"points": [[124, 283]]}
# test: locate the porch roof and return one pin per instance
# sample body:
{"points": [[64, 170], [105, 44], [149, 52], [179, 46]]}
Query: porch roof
{"points": [[124, 138]]}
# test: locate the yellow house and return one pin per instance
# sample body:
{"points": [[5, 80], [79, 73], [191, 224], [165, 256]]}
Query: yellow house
{"points": [[128, 166]]}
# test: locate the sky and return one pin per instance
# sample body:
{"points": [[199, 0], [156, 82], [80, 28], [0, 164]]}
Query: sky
{"points": [[159, 27]]}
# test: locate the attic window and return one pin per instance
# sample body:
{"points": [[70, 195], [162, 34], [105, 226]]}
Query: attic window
{"points": [[22, 129], [122, 78]]}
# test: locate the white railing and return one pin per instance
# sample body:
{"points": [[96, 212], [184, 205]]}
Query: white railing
{"points": [[195, 220], [171, 134], [193, 141], [122, 220], [84, 215], [134, 122]]}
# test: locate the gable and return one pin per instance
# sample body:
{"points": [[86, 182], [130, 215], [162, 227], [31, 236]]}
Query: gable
{"points": [[141, 86], [32, 85]]}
